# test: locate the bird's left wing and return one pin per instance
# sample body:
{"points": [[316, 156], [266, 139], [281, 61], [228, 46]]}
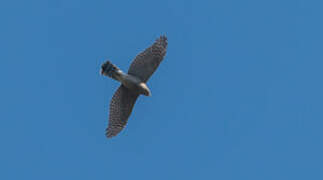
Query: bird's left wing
{"points": [[145, 63], [121, 106]]}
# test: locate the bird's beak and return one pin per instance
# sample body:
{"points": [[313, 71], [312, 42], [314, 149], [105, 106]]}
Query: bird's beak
{"points": [[101, 72]]}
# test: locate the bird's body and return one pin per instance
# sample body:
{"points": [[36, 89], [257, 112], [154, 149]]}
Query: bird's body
{"points": [[133, 83]]}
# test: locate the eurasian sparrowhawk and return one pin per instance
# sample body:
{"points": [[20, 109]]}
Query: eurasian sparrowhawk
{"points": [[133, 83]]}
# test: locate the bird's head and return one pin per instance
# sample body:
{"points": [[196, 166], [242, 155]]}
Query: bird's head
{"points": [[104, 67], [107, 68]]}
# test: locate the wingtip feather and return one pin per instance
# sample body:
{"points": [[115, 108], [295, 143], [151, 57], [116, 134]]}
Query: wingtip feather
{"points": [[163, 41]]}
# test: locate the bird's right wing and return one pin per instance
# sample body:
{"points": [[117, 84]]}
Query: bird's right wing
{"points": [[121, 106], [145, 63]]}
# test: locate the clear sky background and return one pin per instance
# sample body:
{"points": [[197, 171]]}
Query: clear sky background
{"points": [[238, 96]]}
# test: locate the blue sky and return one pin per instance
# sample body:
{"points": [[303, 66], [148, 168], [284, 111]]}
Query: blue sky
{"points": [[238, 96]]}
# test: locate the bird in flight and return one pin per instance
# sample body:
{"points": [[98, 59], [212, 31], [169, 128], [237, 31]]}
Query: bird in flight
{"points": [[133, 83]]}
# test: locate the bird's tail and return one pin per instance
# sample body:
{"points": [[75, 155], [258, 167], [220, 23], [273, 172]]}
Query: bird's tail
{"points": [[109, 69]]}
